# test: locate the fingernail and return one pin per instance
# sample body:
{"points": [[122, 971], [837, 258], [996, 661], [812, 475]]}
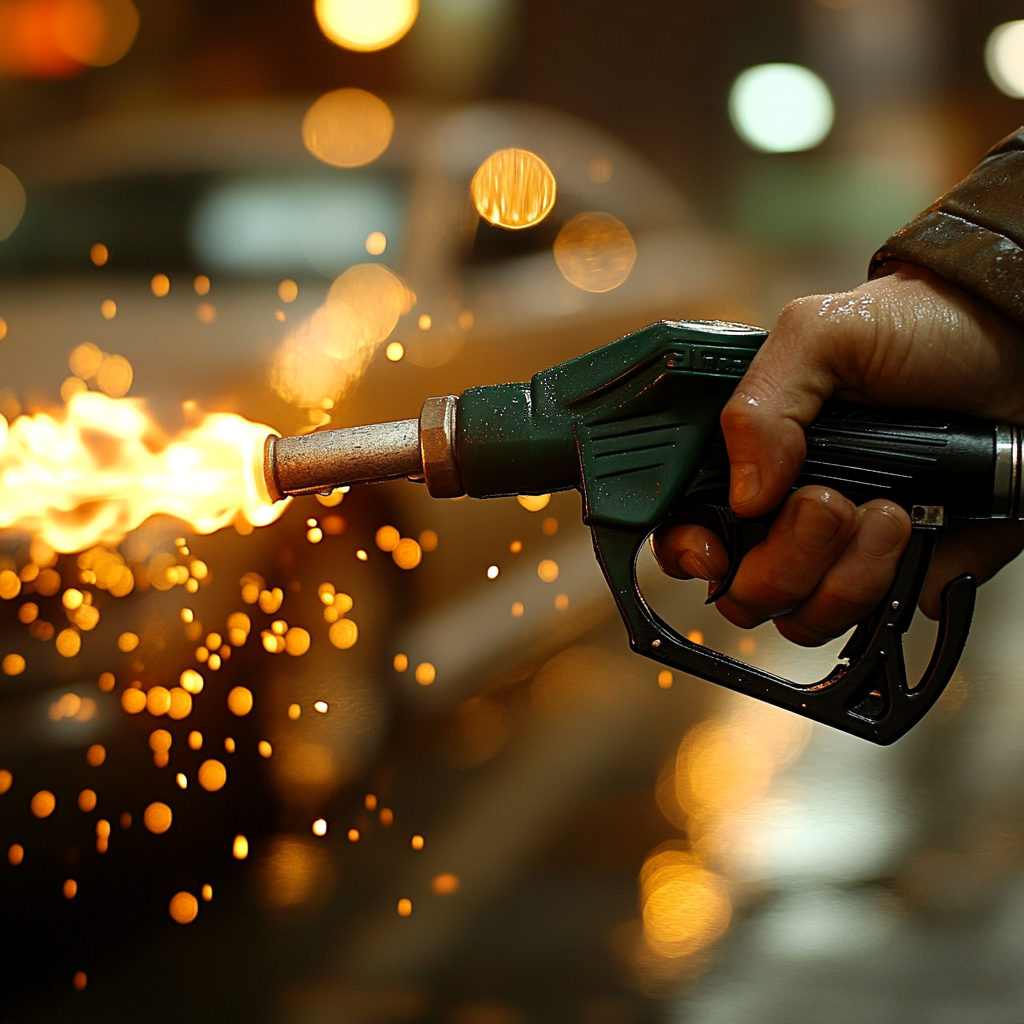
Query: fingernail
{"points": [[745, 482], [879, 533], [815, 526]]}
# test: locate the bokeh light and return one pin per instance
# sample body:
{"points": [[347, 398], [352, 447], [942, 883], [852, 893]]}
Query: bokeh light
{"points": [[157, 817], [43, 803], [184, 907], [362, 26], [513, 189], [58, 38], [781, 108], [595, 252], [1004, 58], [348, 127]]}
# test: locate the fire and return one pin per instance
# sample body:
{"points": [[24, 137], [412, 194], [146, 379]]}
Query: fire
{"points": [[101, 467]]}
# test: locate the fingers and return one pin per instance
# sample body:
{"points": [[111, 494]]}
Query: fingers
{"points": [[779, 574], [906, 340], [823, 567], [690, 551], [856, 581], [981, 550]]}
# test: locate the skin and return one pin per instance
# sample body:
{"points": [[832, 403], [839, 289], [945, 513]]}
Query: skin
{"points": [[904, 339]]}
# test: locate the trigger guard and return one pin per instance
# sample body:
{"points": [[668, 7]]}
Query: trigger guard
{"points": [[868, 697]]}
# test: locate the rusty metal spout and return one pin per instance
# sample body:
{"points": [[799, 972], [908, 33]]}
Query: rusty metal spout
{"points": [[317, 463]]}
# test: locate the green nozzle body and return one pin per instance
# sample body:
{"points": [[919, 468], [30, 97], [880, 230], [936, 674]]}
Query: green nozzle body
{"points": [[628, 424]]}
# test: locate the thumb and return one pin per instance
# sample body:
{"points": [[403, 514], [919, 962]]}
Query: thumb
{"points": [[783, 390]]}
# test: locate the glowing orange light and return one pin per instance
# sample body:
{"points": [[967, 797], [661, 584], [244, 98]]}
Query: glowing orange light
{"points": [[201, 285], [561, 602], [13, 665], [6, 780], [685, 907], [79, 981], [108, 308], [445, 885], [184, 907], [386, 816], [534, 502], [15, 854], [513, 189], [665, 679], [158, 700], [407, 553], [595, 252], [518, 609], [240, 848], [288, 290], [424, 322], [428, 541], [195, 740], [294, 712], [353, 835], [160, 285], [157, 817], [96, 755], [425, 673], [133, 700], [320, 358], [348, 128], [320, 827], [87, 800], [213, 776], [99, 254], [43, 803], [343, 634], [547, 570], [70, 889], [376, 243], [321, 707], [404, 907], [417, 842], [68, 642], [207, 893], [363, 27], [240, 701]]}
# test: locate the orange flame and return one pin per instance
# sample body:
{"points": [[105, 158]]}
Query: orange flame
{"points": [[104, 467]]}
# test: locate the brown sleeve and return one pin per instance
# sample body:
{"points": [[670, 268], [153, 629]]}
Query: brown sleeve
{"points": [[973, 236]]}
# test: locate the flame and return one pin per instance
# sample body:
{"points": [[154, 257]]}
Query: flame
{"points": [[100, 468]]}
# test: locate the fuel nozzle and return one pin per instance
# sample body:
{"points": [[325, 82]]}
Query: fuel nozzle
{"points": [[421, 449]]}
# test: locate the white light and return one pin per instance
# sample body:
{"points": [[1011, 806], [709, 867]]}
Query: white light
{"points": [[273, 225], [1004, 58], [781, 108]]}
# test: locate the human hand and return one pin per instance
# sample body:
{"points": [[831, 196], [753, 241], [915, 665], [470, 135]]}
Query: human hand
{"points": [[906, 339]]}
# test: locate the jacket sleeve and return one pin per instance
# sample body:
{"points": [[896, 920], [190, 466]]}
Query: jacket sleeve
{"points": [[973, 236]]}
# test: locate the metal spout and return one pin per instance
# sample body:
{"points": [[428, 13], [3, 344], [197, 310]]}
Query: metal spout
{"points": [[317, 463]]}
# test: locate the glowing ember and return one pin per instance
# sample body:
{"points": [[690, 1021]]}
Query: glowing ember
{"points": [[90, 475]]}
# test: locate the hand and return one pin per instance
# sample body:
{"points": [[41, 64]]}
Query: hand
{"points": [[906, 339]]}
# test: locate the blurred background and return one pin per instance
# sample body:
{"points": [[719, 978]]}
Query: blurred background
{"points": [[389, 759]]}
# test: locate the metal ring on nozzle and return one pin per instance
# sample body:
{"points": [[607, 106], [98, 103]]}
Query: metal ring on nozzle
{"points": [[437, 447]]}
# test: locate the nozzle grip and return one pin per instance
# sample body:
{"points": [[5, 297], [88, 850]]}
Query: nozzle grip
{"points": [[868, 695]]}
